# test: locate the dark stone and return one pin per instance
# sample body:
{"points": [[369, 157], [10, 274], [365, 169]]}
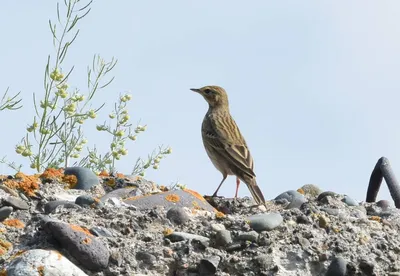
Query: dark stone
{"points": [[325, 194], [146, 258], [367, 267], [209, 266], [88, 250], [88, 200], [177, 215], [338, 267], [5, 212]]}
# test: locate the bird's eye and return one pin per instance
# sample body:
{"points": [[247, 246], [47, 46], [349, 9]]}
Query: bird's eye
{"points": [[207, 91]]}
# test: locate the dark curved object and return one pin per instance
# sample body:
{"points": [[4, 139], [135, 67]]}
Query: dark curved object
{"points": [[383, 170]]}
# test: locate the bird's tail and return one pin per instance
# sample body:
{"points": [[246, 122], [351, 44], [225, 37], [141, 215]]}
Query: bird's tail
{"points": [[255, 191]]}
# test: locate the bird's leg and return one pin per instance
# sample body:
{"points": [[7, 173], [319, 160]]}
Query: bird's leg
{"points": [[237, 186], [223, 179]]}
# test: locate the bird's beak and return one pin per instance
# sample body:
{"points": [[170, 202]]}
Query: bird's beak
{"points": [[195, 90]]}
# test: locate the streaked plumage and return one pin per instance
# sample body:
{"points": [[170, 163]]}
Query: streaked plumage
{"points": [[225, 144]]}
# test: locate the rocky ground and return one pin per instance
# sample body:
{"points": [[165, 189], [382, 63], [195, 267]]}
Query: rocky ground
{"points": [[76, 223]]}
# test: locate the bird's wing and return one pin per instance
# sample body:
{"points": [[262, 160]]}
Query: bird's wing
{"points": [[229, 142]]}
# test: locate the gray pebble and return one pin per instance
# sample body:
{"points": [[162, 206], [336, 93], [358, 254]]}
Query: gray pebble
{"points": [[5, 212], [86, 178], [16, 203], [101, 231], [337, 267], [181, 236], [88, 200], [325, 194], [294, 198], [261, 222], [304, 242], [349, 201], [177, 215], [51, 206], [248, 236], [223, 237], [384, 204], [146, 258]]}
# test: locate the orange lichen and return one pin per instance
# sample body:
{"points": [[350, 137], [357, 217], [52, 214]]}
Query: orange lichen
{"points": [[163, 188], [25, 183], [87, 240], [2, 251], [59, 256], [71, 180], [196, 194], [375, 218], [301, 191], [110, 182], [3, 272], [133, 197], [120, 175], [336, 230], [4, 246], [40, 270], [167, 231], [173, 198], [14, 223], [52, 173], [219, 215], [104, 173], [80, 229], [196, 205]]}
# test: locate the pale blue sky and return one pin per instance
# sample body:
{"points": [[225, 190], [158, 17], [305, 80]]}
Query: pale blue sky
{"points": [[313, 85]]}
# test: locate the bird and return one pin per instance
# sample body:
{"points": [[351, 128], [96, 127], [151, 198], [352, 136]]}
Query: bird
{"points": [[224, 143]]}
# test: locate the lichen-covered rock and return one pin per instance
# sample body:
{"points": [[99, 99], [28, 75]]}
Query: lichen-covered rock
{"points": [[85, 178], [39, 262], [182, 198], [88, 250]]}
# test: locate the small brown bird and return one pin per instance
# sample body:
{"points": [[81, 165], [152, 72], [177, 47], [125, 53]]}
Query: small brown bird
{"points": [[225, 144]]}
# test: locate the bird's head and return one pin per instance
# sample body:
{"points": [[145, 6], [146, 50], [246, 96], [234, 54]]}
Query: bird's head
{"points": [[214, 95]]}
